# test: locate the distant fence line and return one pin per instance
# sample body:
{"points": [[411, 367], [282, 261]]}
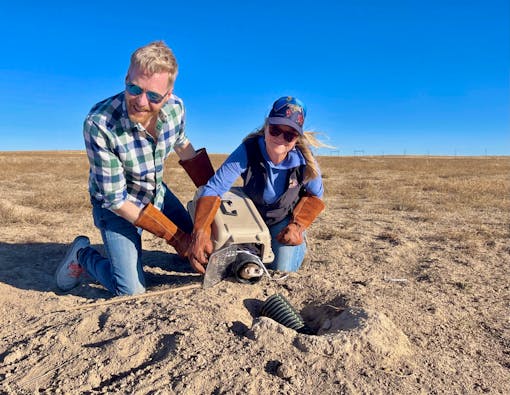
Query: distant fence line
{"points": [[361, 152]]}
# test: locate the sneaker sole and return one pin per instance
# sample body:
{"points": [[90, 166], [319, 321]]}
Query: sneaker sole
{"points": [[70, 252]]}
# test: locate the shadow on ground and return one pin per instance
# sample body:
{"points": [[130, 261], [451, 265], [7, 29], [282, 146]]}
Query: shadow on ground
{"points": [[31, 266]]}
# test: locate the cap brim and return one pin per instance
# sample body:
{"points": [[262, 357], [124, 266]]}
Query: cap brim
{"points": [[285, 121]]}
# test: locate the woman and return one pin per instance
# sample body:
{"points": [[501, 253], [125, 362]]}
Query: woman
{"points": [[281, 177]]}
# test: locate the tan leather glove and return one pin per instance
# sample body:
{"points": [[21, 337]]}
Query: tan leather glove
{"points": [[201, 245], [154, 221], [305, 212], [199, 168]]}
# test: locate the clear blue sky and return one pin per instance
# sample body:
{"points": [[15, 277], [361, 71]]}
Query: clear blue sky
{"points": [[382, 77]]}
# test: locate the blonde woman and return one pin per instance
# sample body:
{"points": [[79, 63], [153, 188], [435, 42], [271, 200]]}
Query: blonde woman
{"points": [[282, 178]]}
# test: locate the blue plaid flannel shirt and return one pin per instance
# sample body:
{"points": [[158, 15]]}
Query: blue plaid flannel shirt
{"points": [[125, 161]]}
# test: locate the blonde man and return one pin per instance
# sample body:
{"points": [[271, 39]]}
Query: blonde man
{"points": [[128, 137]]}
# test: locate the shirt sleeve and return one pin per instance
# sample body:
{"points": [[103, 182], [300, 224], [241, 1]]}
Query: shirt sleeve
{"points": [[179, 113], [106, 171], [227, 174], [315, 186]]}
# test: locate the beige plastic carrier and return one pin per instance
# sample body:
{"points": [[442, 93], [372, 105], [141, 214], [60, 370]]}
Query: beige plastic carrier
{"points": [[238, 222]]}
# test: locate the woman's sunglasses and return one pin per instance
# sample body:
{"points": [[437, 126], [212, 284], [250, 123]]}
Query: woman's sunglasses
{"points": [[288, 136], [153, 97]]}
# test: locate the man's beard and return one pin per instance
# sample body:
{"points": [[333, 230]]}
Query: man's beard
{"points": [[140, 115]]}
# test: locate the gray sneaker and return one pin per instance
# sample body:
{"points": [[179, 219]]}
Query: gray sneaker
{"points": [[69, 272]]}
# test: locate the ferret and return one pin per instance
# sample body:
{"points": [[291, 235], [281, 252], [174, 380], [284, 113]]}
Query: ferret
{"points": [[249, 271]]}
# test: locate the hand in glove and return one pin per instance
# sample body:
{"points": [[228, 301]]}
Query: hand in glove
{"points": [[305, 212], [201, 245]]}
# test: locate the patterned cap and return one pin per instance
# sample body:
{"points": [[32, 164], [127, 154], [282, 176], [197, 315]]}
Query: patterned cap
{"points": [[288, 111]]}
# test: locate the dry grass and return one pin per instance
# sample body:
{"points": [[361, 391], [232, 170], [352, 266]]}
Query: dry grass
{"points": [[419, 184], [33, 182], [457, 197]]}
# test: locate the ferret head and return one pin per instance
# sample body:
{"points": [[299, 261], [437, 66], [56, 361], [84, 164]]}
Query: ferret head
{"points": [[250, 270]]}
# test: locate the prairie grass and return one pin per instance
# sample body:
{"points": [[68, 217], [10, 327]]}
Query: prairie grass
{"points": [[419, 183], [56, 182]]}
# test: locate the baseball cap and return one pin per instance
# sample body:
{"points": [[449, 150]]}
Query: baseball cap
{"points": [[288, 110]]}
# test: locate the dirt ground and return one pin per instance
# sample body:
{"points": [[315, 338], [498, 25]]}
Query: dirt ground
{"points": [[405, 285]]}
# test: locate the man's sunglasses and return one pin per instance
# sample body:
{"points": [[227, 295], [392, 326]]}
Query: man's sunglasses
{"points": [[288, 136], [153, 97]]}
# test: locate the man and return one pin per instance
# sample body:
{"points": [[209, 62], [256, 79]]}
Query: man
{"points": [[128, 136]]}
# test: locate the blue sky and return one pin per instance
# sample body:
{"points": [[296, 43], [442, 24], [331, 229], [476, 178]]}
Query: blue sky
{"points": [[378, 77]]}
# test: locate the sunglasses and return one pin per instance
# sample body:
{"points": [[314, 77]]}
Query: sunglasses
{"points": [[288, 136], [153, 97]]}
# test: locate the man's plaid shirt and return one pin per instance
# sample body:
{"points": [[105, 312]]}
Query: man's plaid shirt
{"points": [[125, 162]]}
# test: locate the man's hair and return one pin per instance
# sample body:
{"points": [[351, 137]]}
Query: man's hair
{"points": [[153, 58]]}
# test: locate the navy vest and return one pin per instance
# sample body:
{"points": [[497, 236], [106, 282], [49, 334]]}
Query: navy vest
{"points": [[255, 178]]}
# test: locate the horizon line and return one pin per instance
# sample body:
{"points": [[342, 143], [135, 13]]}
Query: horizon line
{"points": [[76, 151]]}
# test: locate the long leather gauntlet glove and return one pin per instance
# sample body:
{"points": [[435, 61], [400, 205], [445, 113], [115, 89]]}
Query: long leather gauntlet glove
{"points": [[154, 221], [199, 168], [305, 212]]}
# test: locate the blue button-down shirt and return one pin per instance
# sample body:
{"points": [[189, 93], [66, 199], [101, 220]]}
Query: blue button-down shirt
{"points": [[275, 186]]}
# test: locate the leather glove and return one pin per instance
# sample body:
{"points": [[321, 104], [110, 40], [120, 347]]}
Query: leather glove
{"points": [[291, 235], [199, 168], [305, 212], [201, 245], [154, 221]]}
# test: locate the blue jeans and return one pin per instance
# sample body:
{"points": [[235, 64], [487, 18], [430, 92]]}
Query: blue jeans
{"points": [[121, 271], [286, 258]]}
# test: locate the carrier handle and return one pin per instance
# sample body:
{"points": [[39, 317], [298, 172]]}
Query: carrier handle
{"points": [[226, 210]]}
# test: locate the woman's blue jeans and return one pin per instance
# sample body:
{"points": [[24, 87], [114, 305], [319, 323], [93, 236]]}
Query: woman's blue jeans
{"points": [[121, 271], [287, 258]]}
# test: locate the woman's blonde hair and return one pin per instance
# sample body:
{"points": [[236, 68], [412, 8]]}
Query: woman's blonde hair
{"points": [[155, 57], [304, 143]]}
